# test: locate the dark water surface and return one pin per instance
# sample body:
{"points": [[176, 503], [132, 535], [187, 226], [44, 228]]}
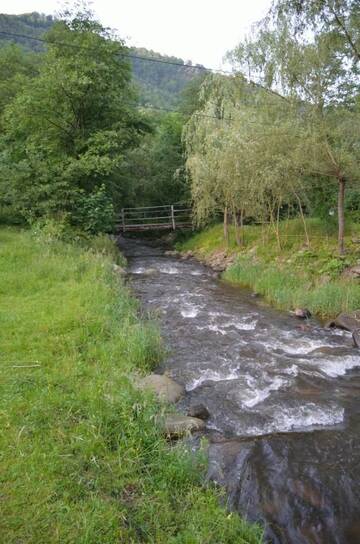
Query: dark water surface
{"points": [[283, 398]]}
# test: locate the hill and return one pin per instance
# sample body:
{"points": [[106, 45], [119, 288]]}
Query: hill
{"points": [[160, 83]]}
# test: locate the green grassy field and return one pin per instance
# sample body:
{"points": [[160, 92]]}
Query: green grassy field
{"points": [[82, 460], [294, 275]]}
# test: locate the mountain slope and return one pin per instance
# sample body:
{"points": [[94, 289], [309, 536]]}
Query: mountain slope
{"points": [[160, 83]]}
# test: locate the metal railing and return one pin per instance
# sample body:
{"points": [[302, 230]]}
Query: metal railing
{"points": [[170, 217]]}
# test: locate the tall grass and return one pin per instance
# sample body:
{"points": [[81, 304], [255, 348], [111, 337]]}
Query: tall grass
{"points": [[287, 290], [293, 275], [82, 460]]}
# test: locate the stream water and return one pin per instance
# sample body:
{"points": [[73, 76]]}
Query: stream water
{"points": [[283, 398]]}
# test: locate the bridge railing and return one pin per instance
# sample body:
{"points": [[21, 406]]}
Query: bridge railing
{"points": [[170, 216]]}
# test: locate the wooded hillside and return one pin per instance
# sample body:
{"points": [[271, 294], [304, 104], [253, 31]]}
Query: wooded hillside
{"points": [[159, 84]]}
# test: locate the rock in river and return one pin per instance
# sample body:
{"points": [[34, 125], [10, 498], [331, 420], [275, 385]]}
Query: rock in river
{"points": [[302, 313], [178, 425], [356, 338], [164, 387], [349, 322], [198, 410]]}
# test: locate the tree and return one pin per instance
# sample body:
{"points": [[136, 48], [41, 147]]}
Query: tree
{"points": [[67, 132], [155, 169], [298, 50], [242, 154], [16, 69]]}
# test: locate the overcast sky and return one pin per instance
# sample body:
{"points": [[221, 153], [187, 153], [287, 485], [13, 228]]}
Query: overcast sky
{"points": [[197, 30]]}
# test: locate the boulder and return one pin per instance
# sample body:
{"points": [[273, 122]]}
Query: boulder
{"points": [[356, 338], [302, 313], [164, 387], [177, 425], [198, 410], [349, 322], [220, 260], [171, 253]]}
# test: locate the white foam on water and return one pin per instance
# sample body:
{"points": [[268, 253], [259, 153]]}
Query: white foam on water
{"points": [[168, 269], [292, 370], [259, 395], [294, 418], [138, 270], [307, 415], [217, 329], [296, 346], [241, 325], [339, 365], [190, 312], [212, 376]]}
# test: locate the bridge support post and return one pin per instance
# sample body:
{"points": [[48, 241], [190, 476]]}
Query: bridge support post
{"points": [[173, 217], [123, 219]]}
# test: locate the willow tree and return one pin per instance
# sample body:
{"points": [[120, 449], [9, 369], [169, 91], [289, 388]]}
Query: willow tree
{"points": [[215, 149], [240, 153], [308, 52]]}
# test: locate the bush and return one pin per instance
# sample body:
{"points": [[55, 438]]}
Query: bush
{"points": [[95, 211]]}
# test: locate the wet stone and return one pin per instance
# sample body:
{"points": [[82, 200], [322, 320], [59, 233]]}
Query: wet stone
{"points": [[302, 313], [178, 425], [164, 387], [356, 338], [198, 410], [349, 322]]}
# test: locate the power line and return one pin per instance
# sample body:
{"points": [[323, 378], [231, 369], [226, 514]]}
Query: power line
{"points": [[151, 59], [129, 55], [146, 59]]}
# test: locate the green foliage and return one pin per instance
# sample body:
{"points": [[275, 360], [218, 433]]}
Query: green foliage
{"points": [[156, 168], [82, 458], [95, 211], [261, 150], [28, 24], [16, 68], [159, 84], [295, 276], [67, 131]]}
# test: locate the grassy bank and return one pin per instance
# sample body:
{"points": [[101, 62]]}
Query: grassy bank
{"points": [[82, 460], [293, 275]]}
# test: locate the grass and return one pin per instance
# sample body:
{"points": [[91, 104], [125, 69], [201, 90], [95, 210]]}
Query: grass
{"points": [[81, 457], [295, 275]]}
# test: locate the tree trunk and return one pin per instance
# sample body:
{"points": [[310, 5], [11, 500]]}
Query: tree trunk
{"points": [[307, 239], [239, 230], [277, 228], [226, 229], [341, 215]]}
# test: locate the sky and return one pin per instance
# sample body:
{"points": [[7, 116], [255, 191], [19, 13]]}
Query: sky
{"points": [[198, 30]]}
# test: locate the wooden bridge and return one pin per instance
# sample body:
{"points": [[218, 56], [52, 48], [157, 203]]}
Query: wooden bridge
{"points": [[172, 217]]}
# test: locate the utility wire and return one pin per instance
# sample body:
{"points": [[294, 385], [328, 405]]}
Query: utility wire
{"points": [[142, 58]]}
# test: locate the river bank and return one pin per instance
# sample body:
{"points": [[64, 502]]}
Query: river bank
{"points": [[82, 457], [293, 275]]}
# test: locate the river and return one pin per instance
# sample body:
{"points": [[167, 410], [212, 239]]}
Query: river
{"points": [[283, 398]]}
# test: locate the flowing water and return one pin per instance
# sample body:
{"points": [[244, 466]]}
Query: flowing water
{"points": [[283, 398]]}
